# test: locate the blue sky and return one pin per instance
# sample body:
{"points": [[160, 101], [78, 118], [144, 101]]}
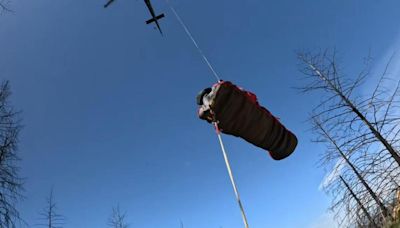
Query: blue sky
{"points": [[110, 116]]}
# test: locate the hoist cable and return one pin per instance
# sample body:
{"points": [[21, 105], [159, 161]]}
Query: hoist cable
{"points": [[193, 41], [228, 166]]}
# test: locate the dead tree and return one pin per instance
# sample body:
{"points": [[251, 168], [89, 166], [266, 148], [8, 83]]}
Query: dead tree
{"points": [[49, 216], [10, 182], [359, 203], [335, 148], [4, 6], [117, 219], [351, 202], [365, 128], [342, 110]]}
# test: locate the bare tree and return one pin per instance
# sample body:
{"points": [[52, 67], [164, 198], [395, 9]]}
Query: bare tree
{"points": [[338, 149], [10, 182], [363, 130], [359, 203], [50, 216], [351, 202], [117, 219], [4, 6], [349, 114]]}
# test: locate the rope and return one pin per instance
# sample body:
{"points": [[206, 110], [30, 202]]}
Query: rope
{"points": [[228, 166], [193, 40]]}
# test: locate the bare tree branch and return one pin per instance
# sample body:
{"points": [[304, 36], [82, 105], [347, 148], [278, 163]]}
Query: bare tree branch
{"points": [[50, 216], [117, 219], [11, 184]]}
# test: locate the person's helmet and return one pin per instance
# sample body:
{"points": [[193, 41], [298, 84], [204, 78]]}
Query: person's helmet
{"points": [[199, 98]]}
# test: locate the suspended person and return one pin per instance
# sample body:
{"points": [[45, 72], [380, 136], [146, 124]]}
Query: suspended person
{"points": [[237, 112]]}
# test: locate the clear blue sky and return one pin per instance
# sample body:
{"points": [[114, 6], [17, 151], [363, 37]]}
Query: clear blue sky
{"points": [[110, 116]]}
